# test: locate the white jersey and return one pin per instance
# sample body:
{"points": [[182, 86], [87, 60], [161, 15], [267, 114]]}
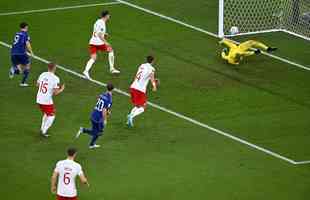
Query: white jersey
{"points": [[143, 77], [67, 170], [99, 27], [47, 81]]}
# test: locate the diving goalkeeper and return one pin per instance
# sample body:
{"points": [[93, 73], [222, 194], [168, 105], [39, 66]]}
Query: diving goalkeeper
{"points": [[236, 52]]}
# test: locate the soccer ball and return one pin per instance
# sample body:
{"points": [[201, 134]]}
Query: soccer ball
{"points": [[234, 30]]}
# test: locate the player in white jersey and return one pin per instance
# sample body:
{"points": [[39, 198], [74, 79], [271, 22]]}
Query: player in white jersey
{"points": [[98, 42], [146, 72], [66, 171], [48, 84]]}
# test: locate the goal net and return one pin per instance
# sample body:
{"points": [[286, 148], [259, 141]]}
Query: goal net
{"points": [[258, 16]]}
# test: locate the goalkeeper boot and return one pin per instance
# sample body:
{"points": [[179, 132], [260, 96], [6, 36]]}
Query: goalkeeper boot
{"points": [[271, 49]]}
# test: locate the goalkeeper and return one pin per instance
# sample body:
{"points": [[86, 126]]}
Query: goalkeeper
{"points": [[235, 53]]}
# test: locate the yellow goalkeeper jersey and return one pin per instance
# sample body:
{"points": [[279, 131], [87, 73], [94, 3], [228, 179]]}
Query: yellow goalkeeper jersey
{"points": [[237, 52]]}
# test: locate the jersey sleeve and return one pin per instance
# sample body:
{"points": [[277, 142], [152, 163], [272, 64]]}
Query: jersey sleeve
{"points": [[27, 38], [153, 69], [80, 170], [57, 168], [107, 102], [56, 83], [109, 105], [39, 79], [24, 38]]}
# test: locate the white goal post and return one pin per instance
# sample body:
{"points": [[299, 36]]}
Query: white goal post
{"points": [[260, 16]]}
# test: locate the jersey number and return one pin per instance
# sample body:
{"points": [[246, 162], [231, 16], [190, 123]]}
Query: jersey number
{"points": [[67, 179], [16, 39], [43, 87], [138, 76], [99, 105]]}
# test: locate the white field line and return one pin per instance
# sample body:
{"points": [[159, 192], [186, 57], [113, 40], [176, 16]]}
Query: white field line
{"points": [[205, 31], [253, 146], [302, 162], [59, 8]]}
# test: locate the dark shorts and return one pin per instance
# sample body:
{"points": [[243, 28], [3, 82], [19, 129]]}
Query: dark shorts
{"points": [[97, 127], [20, 60]]}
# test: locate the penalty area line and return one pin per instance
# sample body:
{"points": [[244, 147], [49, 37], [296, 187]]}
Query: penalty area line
{"points": [[59, 8], [181, 116]]}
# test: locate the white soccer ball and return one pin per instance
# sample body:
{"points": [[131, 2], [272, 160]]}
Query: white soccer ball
{"points": [[234, 30]]}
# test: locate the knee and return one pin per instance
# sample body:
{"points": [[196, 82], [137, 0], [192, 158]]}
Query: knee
{"points": [[51, 114], [94, 57], [26, 71], [96, 131], [111, 52]]}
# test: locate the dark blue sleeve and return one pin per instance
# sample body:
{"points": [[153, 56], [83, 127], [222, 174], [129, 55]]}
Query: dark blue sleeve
{"points": [[27, 37], [109, 105], [107, 101], [22, 40]]}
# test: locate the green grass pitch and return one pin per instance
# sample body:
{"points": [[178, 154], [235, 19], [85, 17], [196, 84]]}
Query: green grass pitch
{"points": [[265, 102]]}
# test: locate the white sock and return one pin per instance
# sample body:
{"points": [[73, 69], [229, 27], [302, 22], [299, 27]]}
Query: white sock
{"points": [[44, 118], [137, 111], [133, 110], [89, 65], [48, 123], [111, 60]]}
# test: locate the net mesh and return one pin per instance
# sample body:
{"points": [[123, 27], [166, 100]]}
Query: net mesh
{"points": [[266, 15]]}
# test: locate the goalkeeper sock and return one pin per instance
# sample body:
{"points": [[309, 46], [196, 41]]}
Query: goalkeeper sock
{"points": [[89, 65], [111, 60]]}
